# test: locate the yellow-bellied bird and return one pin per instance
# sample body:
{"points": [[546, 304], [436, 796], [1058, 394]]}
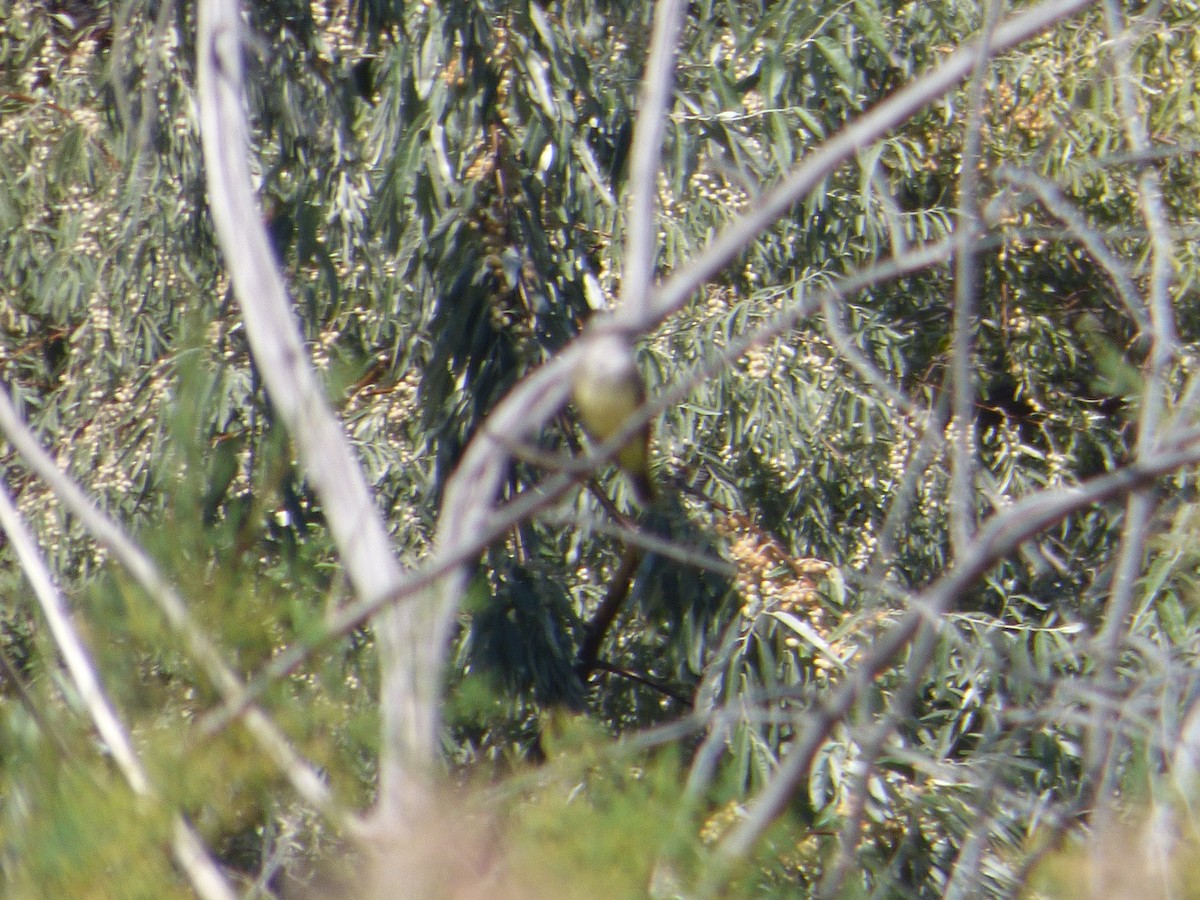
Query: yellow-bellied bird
{"points": [[607, 391]]}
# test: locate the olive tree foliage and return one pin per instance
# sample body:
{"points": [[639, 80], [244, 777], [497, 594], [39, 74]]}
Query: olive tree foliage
{"points": [[912, 291]]}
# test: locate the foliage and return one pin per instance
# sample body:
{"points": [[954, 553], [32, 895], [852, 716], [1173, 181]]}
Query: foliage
{"points": [[445, 185]]}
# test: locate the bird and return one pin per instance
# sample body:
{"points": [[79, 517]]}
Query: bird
{"points": [[607, 391]]}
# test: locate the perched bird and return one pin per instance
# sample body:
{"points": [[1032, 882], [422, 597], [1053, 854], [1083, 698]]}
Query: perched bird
{"points": [[607, 391]]}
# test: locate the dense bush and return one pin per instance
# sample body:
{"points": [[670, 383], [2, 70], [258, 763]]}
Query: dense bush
{"points": [[915, 601]]}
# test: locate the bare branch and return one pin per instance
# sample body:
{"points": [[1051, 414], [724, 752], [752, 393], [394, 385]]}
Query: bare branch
{"points": [[410, 644], [142, 569], [867, 128], [71, 647], [642, 222], [1102, 743], [998, 537], [190, 853]]}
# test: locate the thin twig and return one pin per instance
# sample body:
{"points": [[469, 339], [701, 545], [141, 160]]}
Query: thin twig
{"points": [[652, 683], [871, 748], [1049, 195], [606, 613], [9, 671], [961, 500]]}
